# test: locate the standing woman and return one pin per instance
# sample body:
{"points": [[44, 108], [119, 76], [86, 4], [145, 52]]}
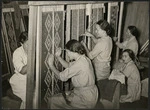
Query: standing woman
{"points": [[101, 53], [85, 92], [130, 42], [133, 77], [18, 80]]}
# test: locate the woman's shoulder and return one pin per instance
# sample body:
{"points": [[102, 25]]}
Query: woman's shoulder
{"points": [[18, 50], [132, 66]]}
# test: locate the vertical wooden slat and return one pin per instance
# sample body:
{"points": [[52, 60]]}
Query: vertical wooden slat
{"points": [[119, 28], [31, 56], [37, 94], [108, 13], [53, 48], [68, 24], [78, 25], [88, 13]]}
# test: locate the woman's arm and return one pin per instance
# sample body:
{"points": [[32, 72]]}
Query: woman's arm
{"points": [[120, 45], [95, 40], [60, 59], [56, 72], [63, 62], [87, 50], [52, 67]]}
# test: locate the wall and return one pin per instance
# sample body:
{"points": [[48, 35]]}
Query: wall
{"points": [[137, 13]]}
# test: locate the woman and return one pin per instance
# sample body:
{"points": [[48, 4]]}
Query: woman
{"points": [[18, 80], [133, 77], [101, 53], [130, 42], [85, 93]]}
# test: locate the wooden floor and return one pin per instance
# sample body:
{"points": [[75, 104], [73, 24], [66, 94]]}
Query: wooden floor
{"points": [[141, 104]]}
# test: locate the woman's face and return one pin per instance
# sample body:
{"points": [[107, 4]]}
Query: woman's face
{"points": [[99, 31], [69, 54], [128, 34], [125, 57], [26, 44]]}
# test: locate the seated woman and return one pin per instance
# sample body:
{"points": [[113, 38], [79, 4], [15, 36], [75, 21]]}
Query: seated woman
{"points": [[18, 80], [85, 92], [133, 77]]}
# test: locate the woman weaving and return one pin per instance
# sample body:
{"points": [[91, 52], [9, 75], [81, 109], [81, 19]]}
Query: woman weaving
{"points": [[85, 92]]}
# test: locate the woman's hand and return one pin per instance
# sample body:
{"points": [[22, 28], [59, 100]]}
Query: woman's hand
{"points": [[83, 43], [88, 34], [115, 39], [51, 60], [58, 52]]}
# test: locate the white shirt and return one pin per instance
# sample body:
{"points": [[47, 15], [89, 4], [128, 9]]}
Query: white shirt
{"points": [[131, 44], [18, 81]]}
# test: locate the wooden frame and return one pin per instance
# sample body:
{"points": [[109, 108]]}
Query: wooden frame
{"points": [[31, 56], [119, 28], [39, 3]]}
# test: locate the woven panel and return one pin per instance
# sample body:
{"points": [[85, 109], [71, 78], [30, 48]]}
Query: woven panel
{"points": [[74, 22], [10, 31], [77, 23], [113, 23], [114, 18], [52, 30], [81, 21]]}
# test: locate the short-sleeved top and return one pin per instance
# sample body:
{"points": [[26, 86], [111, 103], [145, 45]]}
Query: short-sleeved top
{"points": [[18, 81], [19, 59], [80, 71], [131, 44], [102, 50]]}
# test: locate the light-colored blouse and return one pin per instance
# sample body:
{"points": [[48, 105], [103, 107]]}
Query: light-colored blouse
{"points": [[81, 72], [85, 92], [18, 81], [131, 44], [102, 50], [133, 83]]}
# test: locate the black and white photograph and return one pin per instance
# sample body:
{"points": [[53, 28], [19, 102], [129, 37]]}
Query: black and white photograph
{"points": [[75, 54]]}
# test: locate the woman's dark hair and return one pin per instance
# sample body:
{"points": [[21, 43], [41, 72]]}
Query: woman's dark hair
{"points": [[75, 46], [104, 25], [131, 53], [23, 37], [133, 30]]}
